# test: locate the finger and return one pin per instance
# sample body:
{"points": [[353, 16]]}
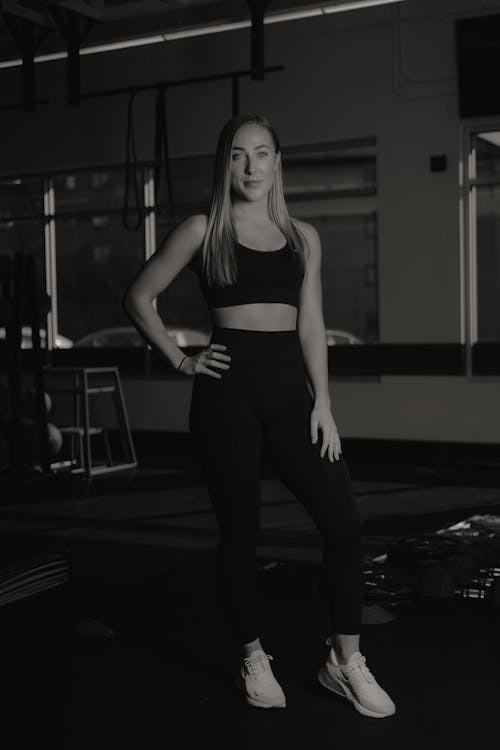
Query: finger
{"points": [[331, 450], [333, 446], [217, 357], [215, 363], [209, 372], [314, 431], [210, 361], [217, 354]]}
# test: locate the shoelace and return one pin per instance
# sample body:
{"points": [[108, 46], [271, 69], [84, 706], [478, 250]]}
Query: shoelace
{"points": [[255, 664], [358, 663]]}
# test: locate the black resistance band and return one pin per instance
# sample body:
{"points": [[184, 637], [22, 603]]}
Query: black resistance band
{"points": [[131, 167], [162, 155]]}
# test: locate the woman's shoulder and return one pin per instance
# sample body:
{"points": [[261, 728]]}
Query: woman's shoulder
{"points": [[310, 233], [307, 229], [196, 226]]}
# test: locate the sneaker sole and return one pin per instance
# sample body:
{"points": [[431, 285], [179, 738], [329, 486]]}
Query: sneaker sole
{"points": [[253, 701], [326, 680]]}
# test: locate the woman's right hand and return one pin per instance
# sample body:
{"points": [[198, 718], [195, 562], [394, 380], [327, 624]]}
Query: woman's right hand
{"points": [[212, 356]]}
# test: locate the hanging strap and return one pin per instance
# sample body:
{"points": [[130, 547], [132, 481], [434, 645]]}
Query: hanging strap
{"points": [[131, 172], [162, 155]]}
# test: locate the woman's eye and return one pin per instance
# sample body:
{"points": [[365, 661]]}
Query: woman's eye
{"points": [[263, 153]]}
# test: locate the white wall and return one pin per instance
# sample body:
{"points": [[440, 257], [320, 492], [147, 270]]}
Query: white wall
{"points": [[388, 72], [411, 408]]}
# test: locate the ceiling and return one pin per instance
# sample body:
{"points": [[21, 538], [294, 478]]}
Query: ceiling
{"points": [[117, 20]]}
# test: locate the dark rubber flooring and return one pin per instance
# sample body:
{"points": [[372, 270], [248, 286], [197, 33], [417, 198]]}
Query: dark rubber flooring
{"points": [[164, 678]]}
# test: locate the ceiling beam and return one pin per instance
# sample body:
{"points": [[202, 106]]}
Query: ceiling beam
{"points": [[73, 28], [257, 12], [28, 35], [40, 18]]}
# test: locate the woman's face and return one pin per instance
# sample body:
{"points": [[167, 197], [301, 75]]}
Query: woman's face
{"points": [[253, 162]]}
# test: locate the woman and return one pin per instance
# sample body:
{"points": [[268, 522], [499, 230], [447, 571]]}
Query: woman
{"points": [[262, 384]]}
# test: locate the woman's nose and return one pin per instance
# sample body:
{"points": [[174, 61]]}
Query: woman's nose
{"points": [[250, 166]]}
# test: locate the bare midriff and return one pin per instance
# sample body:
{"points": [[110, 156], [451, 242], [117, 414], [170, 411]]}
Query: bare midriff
{"points": [[260, 316]]}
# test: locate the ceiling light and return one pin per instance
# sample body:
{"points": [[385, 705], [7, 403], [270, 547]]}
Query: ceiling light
{"points": [[357, 5], [293, 15]]}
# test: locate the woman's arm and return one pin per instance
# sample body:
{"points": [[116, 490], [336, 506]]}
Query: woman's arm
{"points": [[310, 323], [155, 276]]}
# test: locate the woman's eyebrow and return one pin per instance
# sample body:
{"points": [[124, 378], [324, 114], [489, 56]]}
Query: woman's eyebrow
{"points": [[263, 145]]}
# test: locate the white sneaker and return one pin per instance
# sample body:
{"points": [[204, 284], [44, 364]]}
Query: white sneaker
{"points": [[355, 682], [257, 681]]}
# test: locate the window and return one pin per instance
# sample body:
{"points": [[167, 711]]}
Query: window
{"points": [[334, 187], [89, 190], [21, 197], [21, 221], [482, 247], [487, 149], [96, 257], [73, 222]]}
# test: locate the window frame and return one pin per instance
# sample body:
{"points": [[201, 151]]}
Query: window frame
{"points": [[474, 350]]}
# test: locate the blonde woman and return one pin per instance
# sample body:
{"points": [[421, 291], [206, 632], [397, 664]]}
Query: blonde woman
{"points": [[262, 385]]}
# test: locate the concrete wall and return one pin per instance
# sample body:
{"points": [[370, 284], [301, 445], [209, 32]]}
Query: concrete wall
{"points": [[388, 72]]}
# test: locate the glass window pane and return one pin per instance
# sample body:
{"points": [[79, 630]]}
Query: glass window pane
{"points": [[93, 190], [21, 197], [488, 262], [328, 171], [27, 236], [349, 276], [487, 146], [96, 260]]}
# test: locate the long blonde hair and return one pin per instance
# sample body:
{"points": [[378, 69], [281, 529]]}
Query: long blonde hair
{"points": [[218, 252]]}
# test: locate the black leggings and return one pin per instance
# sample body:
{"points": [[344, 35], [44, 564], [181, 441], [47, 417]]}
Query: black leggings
{"points": [[262, 402]]}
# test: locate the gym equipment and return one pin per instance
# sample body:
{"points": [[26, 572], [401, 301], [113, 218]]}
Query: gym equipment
{"points": [[450, 567], [131, 171], [29, 576], [55, 440], [161, 141], [81, 383]]}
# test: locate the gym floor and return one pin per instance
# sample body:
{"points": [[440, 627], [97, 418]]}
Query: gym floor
{"points": [[135, 652]]}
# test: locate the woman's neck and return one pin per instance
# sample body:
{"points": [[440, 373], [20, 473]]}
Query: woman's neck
{"points": [[252, 213]]}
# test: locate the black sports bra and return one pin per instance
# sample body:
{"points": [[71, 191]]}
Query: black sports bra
{"points": [[263, 276]]}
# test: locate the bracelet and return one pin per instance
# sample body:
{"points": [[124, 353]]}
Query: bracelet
{"points": [[180, 364]]}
